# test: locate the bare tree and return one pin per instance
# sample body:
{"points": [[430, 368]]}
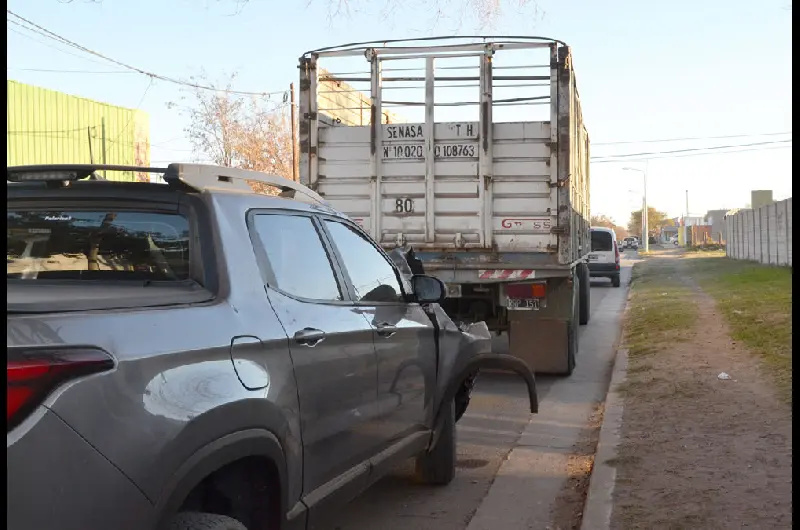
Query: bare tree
{"points": [[485, 11], [248, 132]]}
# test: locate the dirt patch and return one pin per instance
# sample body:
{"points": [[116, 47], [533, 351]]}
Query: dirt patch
{"points": [[568, 511], [697, 451]]}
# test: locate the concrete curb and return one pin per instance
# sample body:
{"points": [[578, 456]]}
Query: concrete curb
{"points": [[599, 499]]}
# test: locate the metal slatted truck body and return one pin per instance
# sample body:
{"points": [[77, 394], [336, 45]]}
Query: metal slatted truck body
{"points": [[480, 164]]}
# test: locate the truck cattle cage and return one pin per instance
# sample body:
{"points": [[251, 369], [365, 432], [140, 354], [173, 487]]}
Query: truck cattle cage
{"points": [[473, 152]]}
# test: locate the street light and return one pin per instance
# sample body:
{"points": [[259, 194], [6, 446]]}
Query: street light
{"points": [[645, 234]]}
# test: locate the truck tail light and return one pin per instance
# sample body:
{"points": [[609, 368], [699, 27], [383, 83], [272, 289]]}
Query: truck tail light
{"points": [[526, 290], [616, 252], [33, 373]]}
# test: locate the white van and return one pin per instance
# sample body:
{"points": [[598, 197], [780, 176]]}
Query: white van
{"points": [[604, 255]]}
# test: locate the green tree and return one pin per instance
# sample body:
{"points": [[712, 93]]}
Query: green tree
{"points": [[655, 221]]}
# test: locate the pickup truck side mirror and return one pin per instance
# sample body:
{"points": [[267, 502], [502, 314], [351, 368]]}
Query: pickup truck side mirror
{"points": [[427, 289]]}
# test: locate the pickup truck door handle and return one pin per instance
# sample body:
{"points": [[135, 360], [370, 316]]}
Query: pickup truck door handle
{"points": [[309, 337], [385, 330]]}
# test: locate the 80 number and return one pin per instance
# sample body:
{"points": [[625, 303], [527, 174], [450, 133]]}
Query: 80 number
{"points": [[403, 205]]}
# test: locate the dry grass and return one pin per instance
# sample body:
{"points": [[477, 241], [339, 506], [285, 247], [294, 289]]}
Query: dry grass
{"points": [[696, 451], [756, 301], [661, 309]]}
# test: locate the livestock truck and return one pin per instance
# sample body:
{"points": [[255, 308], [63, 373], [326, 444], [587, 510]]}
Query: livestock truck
{"points": [[472, 153]]}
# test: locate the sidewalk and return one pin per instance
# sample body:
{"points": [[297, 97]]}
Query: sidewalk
{"points": [[541, 484]]}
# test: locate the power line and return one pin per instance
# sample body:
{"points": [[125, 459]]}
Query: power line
{"points": [[35, 28], [47, 70], [138, 106], [23, 35], [49, 131], [692, 138], [694, 149], [699, 152]]}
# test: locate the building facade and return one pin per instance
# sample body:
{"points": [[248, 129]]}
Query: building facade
{"points": [[44, 126], [716, 220]]}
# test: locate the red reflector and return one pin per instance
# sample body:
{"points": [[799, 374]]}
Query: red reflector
{"points": [[526, 290], [32, 373]]}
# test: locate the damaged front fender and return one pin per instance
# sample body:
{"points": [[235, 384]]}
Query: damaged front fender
{"points": [[462, 352]]}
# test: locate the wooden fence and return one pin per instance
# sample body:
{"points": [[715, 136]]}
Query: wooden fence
{"points": [[763, 235]]}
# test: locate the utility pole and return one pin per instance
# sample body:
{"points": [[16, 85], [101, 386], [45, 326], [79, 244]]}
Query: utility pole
{"points": [[91, 154], [645, 235], [103, 136], [686, 228], [646, 222], [687, 203], [295, 169]]}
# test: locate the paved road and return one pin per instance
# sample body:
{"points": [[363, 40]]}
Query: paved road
{"points": [[497, 415]]}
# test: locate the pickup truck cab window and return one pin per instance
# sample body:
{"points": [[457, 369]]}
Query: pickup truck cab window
{"points": [[374, 279], [97, 245], [297, 257]]}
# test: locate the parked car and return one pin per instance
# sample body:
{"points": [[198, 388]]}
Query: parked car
{"points": [[207, 354], [631, 243], [604, 255]]}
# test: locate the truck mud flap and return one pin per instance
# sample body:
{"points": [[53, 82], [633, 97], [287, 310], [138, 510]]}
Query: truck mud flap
{"points": [[491, 361]]}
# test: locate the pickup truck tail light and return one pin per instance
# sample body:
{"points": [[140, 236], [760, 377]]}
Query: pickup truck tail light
{"points": [[33, 373]]}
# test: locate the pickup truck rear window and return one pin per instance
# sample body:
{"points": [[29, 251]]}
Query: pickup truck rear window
{"points": [[97, 245]]}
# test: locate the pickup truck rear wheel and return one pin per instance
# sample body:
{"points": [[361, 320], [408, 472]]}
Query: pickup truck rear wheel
{"points": [[204, 521], [437, 467]]}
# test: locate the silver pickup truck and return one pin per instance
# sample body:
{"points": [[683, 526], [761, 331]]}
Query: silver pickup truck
{"points": [[223, 351]]}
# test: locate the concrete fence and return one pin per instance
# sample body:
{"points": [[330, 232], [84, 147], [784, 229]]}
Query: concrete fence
{"points": [[763, 235]]}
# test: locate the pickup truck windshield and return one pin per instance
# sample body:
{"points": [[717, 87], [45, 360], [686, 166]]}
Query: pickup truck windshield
{"points": [[96, 245]]}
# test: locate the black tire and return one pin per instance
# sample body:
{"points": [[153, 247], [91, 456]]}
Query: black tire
{"points": [[585, 293], [437, 467], [463, 396], [204, 521], [572, 347], [572, 333], [615, 281]]}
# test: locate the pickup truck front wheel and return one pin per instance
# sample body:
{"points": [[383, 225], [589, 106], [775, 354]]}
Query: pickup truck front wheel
{"points": [[437, 467]]}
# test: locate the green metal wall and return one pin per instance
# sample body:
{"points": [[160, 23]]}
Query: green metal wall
{"points": [[47, 127]]}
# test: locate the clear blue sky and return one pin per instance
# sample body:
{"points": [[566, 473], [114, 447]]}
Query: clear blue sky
{"points": [[646, 71]]}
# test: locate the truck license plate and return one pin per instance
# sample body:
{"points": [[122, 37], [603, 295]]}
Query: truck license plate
{"points": [[529, 304], [593, 257]]}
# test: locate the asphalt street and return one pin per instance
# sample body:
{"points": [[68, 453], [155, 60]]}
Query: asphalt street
{"points": [[493, 425]]}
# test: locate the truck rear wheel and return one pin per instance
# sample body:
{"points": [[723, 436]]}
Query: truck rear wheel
{"points": [[572, 327], [572, 347], [585, 293]]}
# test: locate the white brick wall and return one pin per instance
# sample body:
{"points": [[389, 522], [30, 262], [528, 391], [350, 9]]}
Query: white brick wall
{"points": [[763, 235]]}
